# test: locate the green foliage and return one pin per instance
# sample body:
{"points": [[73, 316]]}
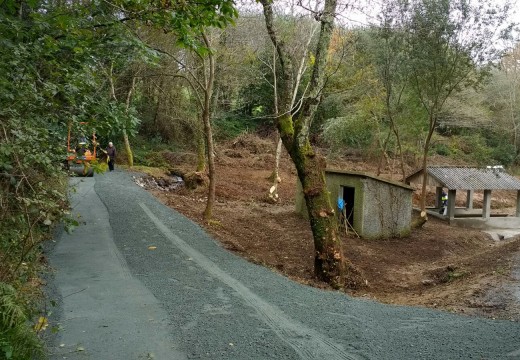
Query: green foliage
{"points": [[348, 131], [332, 106], [476, 147], [54, 60], [18, 341], [150, 157], [503, 152], [150, 152], [231, 126]]}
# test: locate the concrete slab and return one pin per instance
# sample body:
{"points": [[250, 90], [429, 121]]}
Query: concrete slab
{"points": [[502, 223]]}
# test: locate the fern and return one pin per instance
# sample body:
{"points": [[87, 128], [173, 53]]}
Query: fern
{"points": [[17, 340]]}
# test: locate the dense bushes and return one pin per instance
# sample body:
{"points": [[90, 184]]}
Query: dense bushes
{"points": [[48, 79]]}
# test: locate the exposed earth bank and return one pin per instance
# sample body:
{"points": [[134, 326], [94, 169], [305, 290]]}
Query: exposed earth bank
{"points": [[437, 266]]}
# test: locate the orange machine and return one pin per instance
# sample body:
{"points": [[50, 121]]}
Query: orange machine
{"points": [[80, 154]]}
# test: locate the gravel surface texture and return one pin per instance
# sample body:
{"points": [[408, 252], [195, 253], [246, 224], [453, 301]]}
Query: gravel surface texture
{"points": [[211, 304]]}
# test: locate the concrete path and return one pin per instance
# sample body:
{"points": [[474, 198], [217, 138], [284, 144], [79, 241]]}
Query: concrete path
{"points": [[105, 310], [140, 281]]}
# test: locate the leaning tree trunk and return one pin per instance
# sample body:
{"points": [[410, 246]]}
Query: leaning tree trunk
{"points": [[329, 262]]}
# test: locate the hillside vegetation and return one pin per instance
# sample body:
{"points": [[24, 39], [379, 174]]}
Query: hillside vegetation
{"points": [[182, 80]]}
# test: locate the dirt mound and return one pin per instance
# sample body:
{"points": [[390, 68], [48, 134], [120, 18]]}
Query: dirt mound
{"points": [[254, 144]]}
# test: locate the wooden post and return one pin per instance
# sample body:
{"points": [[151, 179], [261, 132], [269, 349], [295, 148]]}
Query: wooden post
{"points": [[469, 199], [452, 195], [518, 203], [486, 207], [438, 197]]}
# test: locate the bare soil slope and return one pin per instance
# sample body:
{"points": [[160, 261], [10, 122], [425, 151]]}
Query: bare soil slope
{"points": [[438, 266]]}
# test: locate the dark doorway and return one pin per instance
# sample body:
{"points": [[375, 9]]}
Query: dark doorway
{"points": [[348, 198]]}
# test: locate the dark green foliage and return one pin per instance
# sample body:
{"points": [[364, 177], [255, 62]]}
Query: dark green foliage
{"points": [[149, 152], [233, 125], [475, 146], [54, 57], [349, 131], [17, 340], [502, 150]]}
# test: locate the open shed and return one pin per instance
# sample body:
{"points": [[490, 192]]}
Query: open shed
{"points": [[467, 179], [375, 207]]}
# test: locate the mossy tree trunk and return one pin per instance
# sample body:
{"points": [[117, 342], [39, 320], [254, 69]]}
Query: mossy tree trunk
{"points": [[201, 151], [209, 79], [329, 264], [128, 148]]}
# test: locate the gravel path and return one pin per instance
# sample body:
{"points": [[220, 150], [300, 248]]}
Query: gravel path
{"points": [[188, 298]]}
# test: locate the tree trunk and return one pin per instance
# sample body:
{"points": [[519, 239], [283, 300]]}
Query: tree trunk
{"points": [[208, 212], [206, 118], [128, 149], [329, 262], [383, 154], [400, 148], [201, 152], [275, 176], [425, 166], [273, 192]]}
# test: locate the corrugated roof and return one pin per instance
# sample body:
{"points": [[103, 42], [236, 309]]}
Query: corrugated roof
{"points": [[362, 174], [467, 178]]}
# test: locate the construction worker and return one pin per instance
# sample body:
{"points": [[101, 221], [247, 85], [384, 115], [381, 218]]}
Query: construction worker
{"points": [[444, 203]]}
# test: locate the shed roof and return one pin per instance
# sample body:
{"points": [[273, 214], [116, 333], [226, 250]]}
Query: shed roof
{"points": [[470, 178], [362, 174]]}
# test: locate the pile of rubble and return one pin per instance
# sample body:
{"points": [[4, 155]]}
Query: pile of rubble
{"points": [[165, 184]]}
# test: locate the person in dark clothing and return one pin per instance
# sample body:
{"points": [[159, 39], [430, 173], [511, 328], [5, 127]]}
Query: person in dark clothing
{"points": [[444, 203], [111, 152]]}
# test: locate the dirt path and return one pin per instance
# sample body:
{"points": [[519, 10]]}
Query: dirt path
{"points": [[168, 285]]}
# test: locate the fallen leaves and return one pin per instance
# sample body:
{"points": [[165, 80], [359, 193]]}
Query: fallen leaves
{"points": [[41, 324]]}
